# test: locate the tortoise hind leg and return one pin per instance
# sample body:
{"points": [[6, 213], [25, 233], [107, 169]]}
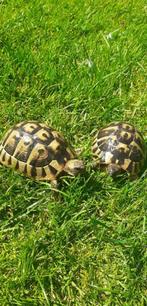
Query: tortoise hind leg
{"points": [[54, 184]]}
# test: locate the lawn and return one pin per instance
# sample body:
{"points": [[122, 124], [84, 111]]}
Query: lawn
{"points": [[75, 65]]}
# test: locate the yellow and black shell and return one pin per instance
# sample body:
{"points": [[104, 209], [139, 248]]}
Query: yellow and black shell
{"points": [[36, 150], [120, 146]]}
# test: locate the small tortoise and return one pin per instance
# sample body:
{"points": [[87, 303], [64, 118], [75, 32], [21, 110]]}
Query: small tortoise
{"points": [[119, 147], [39, 152]]}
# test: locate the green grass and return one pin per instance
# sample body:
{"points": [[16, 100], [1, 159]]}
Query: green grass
{"points": [[75, 65]]}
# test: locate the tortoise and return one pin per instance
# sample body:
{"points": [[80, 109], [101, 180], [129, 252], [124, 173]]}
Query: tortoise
{"points": [[119, 147], [39, 152]]}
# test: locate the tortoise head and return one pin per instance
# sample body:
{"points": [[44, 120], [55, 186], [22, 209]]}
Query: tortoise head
{"points": [[114, 170], [74, 167]]}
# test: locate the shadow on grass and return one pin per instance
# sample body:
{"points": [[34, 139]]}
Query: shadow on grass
{"points": [[22, 198]]}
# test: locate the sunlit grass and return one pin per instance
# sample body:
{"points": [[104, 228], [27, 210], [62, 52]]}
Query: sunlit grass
{"points": [[75, 65]]}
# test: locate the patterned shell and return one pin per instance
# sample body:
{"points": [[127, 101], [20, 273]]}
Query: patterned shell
{"points": [[121, 144], [36, 150]]}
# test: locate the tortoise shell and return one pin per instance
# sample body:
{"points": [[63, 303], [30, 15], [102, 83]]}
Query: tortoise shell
{"points": [[36, 150], [119, 147]]}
